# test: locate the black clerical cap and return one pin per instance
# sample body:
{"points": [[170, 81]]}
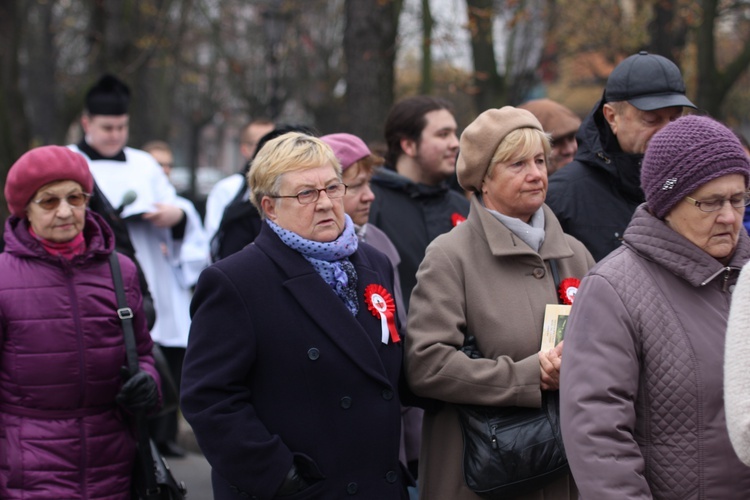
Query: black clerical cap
{"points": [[109, 96]]}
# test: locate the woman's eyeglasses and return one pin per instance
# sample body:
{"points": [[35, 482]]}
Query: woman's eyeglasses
{"points": [[75, 200], [739, 201], [309, 196]]}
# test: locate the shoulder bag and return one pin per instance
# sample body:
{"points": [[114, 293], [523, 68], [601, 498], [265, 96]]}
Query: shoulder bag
{"points": [[511, 451], [152, 478]]}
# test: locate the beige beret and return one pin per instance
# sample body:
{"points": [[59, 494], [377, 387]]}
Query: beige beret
{"points": [[480, 140], [557, 120]]}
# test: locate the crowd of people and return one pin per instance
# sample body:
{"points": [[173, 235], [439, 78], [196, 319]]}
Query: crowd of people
{"points": [[335, 308]]}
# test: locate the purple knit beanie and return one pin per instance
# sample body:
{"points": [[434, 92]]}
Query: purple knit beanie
{"points": [[686, 154]]}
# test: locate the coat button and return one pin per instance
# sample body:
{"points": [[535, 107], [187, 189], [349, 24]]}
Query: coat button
{"points": [[346, 402], [352, 488], [387, 394], [391, 477], [313, 354], [539, 273]]}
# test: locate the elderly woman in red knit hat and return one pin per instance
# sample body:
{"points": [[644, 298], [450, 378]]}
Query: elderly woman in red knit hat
{"points": [[642, 408], [62, 428]]}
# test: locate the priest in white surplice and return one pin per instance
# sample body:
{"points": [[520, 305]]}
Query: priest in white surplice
{"points": [[134, 182]]}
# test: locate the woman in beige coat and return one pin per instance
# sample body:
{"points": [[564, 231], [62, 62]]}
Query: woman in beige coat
{"points": [[490, 278]]}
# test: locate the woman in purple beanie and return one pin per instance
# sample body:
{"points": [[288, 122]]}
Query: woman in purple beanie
{"points": [[64, 431], [642, 406]]}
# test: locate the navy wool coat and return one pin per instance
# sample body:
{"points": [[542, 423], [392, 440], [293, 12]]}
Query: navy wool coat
{"points": [[278, 369]]}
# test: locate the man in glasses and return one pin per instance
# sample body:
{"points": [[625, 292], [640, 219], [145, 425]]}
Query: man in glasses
{"points": [[595, 195], [561, 124], [133, 182]]}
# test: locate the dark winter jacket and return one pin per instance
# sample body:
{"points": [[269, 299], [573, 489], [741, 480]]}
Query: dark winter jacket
{"points": [[239, 226], [595, 195], [61, 351], [642, 410], [279, 370], [412, 215]]}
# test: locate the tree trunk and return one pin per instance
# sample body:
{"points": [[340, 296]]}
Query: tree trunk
{"points": [[427, 23], [667, 31], [713, 83], [489, 86], [14, 129], [370, 53], [42, 90]]}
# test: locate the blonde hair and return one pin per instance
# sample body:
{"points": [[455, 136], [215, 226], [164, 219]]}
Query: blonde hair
{"points": [[291, 152], [519, 144]]}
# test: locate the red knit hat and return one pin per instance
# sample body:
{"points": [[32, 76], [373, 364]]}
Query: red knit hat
{"points": [[39, 167]]}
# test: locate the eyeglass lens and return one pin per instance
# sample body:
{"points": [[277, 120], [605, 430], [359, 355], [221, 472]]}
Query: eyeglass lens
{"points": [[52, 202], [311, 195]]}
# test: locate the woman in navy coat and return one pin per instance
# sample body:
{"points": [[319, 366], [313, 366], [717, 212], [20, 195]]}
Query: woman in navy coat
{"points": [[293, 363]]}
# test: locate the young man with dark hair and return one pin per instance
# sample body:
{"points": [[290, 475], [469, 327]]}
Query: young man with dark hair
{"points": [[413, 200]]}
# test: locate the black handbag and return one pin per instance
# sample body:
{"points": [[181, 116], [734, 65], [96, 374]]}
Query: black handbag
{"points": [[152, 478], [511, 451], [165, 486]]}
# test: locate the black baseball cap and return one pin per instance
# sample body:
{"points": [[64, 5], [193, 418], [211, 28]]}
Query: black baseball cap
{"points": [[648, 82]]}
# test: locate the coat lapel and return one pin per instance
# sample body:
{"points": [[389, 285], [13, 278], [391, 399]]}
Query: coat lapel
{"points": [[352, 335]]}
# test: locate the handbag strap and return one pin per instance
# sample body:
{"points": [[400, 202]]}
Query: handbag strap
{"points": [[125, 313], [555, 272]]}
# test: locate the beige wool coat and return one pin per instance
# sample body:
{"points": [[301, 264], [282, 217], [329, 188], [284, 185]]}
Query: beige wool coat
{"points": [[480, 279]]}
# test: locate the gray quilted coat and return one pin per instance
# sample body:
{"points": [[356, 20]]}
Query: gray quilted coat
{"points": [[641, 392]]}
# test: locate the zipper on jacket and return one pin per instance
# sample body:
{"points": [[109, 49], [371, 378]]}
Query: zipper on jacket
{"points": [[725, 285], [603, 157], [76, 312]]}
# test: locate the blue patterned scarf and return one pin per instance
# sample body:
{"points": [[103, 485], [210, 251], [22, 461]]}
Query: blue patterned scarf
{"points": [[330, 259]]}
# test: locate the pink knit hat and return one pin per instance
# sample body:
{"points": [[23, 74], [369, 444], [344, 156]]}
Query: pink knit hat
{"points": [[348, 148], [39, 167], [685, 155]]}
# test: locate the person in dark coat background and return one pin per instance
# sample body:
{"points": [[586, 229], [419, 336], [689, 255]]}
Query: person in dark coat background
{"points": [[291, 378]]}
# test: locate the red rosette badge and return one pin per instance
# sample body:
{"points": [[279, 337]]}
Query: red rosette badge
{"points": [[381, 304], [569, 289], [457, 219]]}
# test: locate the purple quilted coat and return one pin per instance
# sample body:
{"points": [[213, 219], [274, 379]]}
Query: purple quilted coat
{"points": [[641, 389], [61, 349]]}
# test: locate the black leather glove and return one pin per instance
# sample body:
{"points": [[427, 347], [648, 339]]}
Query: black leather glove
{"points": [[139, 392], [293, 483], [470, 348]]}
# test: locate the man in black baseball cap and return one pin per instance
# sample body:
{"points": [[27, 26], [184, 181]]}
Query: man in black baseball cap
{"points": [[596, 194]]}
